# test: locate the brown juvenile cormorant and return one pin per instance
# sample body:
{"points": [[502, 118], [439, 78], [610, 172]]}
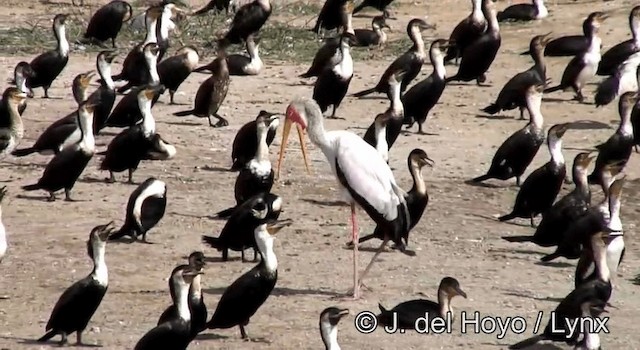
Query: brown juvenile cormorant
{"points": [[176, 69], [329, 319], [145, 208], [583, 66], [423, 96], [245, 143], [406, 314], [374, 36], [332, 84], [466, 32], [107, 21], [248, 20], [624, 79], [513, 92], [620, 52], [411, 61], [11, 127], [516, 153], [78, 303], [244, 296], [524, 12], [49, 65]]}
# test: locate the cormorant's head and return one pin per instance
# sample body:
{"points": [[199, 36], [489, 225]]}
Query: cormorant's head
{"points": [[98, 237], [196, 260], [332, 315], [379, 22], [451, 287], [420, 158], [14, 95]]}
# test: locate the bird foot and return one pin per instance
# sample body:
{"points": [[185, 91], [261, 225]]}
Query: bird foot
{"points": [[220, 124], [257, 340]]}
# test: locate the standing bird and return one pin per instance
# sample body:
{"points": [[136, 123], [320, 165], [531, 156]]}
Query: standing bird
{"points": [[216, 5], [329, 319], [423, 96], [332, 84], [624, 79], [621, 52], [145, 208], [516, 153], [240, 64], [176, 69], [212, 93], [106, 93], [248, 20], [570, 45], [479, 55], [11, 126], [127, 112], [50, 64], [331, 15], [3, 231], [513, 92], [374, 36], [78, 303], [466, 32], [21, 73], [245, 296], [565, 211], [106, 23], [540, 189], [145, 73], [583, 66], [406, 314], [411, 61], [365, 179], [176, 332], [619, 146], [380, 5], [524, 12], [245, 143], [65, 167]]}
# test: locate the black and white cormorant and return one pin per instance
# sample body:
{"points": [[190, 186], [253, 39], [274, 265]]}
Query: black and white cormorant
{"points": [[78, 303], [126, 112], [197, 306], [516, 153], [424, 95], [619, 146], [566, 210], [380, 5], [480, 54], [245, 296], [248, 20], [329, 319], [391, 120], [331, 15], [164, 26], [410, 61], [466, 32], [540, 189], [176, 69], [583, 66], [374, 36], [211, 93], [245, 143], [11, 126], [378, 135], [107, 21], [145, 73], [332, 84], [3, 231], [49, 65], [106, 93], [524, 12], [624, 79], [619, 53], [406, 314], [215, 5], [176, 332], [21, 73], [65, 167], [240, 64], [137, 143], [145, 208], [513, 92], [237, 233]]}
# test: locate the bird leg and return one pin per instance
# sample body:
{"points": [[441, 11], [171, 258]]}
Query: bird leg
{"points": [[52, 197], [130, 176], [63, 340], [67, 195], [243, 333], [79, 338], [533, 223], [354, 238], [518, 181], [380, 249], [221, 121], [171, 93], [112, 178], [144, 239]]}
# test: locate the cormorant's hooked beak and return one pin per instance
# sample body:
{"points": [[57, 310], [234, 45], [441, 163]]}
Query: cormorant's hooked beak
{"points": [[546, 38], [275, 226], [293, 116], [106, 231], [561, 129], [428, 161], [460, 292]]}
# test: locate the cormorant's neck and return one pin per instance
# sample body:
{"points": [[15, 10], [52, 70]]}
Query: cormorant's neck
{"points": [[61, 36], [265, 4], [625, 127], [396, 107], [163, 27], [600, 260], [437, 60], [538, 58], [476, 13], [329, 336], [580, 180], [152, 63], [104, 69], [265, 245], [555, 149], [634, 24], [533, 106], [151, 36], [614, 213], [182, 302], [87, 140], [195, 291], [492, 20], [21, 82], [381, 140], [262, 153], [100, 272], [445, 303], [14, 116], [148, 121], [418, 181], [418, 42]]}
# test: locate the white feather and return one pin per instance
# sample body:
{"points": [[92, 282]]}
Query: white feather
{"points": [[155, 189]]}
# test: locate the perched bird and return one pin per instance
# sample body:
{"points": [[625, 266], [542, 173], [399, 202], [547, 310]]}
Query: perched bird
{"points": [[174, 70], [242, 299], [248, 20], [516, 153], [411, 61], [480, 54], [466, 32], [329, 319], [11, 126], [583, 66], [407, 313], [245, 143], [78, 303], [3, 231], [380, 5], [624, 79], [524, 12], [49, 65], [176, 332], [424, 95], [107, 21], [621, 52], [374, 36], [145, 208]]}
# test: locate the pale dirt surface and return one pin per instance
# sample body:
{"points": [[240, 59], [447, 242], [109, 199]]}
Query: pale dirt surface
{"points": [[458, 236]]}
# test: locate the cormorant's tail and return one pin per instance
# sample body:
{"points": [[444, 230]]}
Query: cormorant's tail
{"points": [[31, 187], [453, 78], [492, 109], [50, 334], [527, 342], [212, 241], [307, 74], [23, 152], [518, 239], [366, 238], [223, 214], [550, 257], [201, 69], [552, 89], [184, 113], [507, 217], [120, 234], [481, 178], [382, 309], [359, 8], [364, 92], [236, 166]]}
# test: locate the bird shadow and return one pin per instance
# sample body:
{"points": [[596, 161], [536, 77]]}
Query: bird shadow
{"points": [[372, 97], [194, 216], [481, 184], [558, 264], [94, 180], [280, 291], [183, 123], [158, 292], [517, 251], [553, 99], [325, 203], [35, 342], [523, 295], [218, 259], [33, 198], [589, 125], [211, 336], [533, 347], [493, 117], [215, 168], [636, 280]]}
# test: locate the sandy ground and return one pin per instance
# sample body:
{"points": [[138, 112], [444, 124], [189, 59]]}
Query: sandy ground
{"points": [[458, 236]]}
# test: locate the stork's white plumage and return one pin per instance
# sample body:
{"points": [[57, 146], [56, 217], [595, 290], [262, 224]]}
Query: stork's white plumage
{"points": [[363, 175]]}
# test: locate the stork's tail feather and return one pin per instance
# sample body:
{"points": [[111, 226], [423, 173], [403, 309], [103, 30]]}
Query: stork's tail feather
{"points": [[31, 187], [527, 342], [492, 109], [518, 239], [553, 89], [23, 152], [507, 217], [184, 113], [364, 92], [50, 334]]}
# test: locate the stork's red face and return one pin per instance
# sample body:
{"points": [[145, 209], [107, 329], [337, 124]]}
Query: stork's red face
{"points": [[292, 115]]}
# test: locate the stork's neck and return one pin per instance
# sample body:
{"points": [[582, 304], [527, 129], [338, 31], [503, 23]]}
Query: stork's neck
{"points": [[182, 302], [317, 133], [100, 272], [61, 37], [555, 149], [329, 334], [445, 304]]}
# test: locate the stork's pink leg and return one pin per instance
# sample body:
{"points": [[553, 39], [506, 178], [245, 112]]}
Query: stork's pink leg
{"points": [[354, 234]]}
